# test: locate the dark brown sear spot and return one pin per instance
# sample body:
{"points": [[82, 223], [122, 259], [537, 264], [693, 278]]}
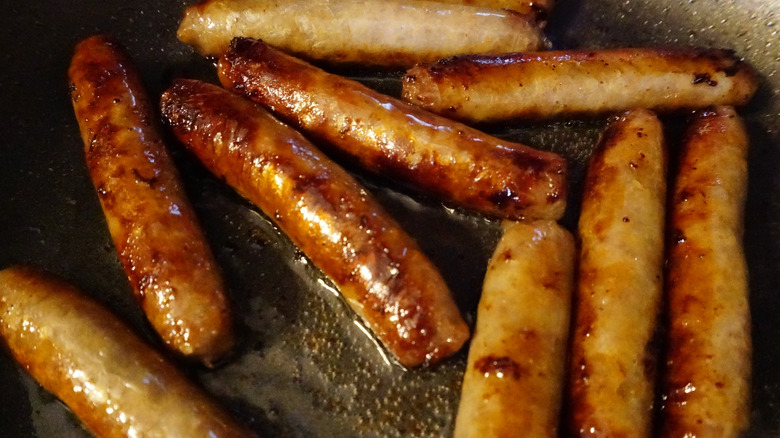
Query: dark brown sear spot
{"points": [[704, 78], [732, 70], [502, 366], [507, 255], [502, 197], [145, 177]]}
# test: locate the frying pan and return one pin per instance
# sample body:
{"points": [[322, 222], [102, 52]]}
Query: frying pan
{"points": [[305, 367]]}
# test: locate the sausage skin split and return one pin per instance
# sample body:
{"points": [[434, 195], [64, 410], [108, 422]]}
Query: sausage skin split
{"points": [[378, 268], [154, 228], [558, 84], [620, 286], [458, 164], [707, 383], [113, 382], [384, 33], [513, 383]]}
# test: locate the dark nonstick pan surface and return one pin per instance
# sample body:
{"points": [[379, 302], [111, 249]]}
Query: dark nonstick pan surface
{"points": [[305, 367]]}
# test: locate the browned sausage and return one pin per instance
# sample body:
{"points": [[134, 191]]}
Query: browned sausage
{"points": [[385, 33], [707, 385], [513, 383], [559, 84], [116, 384], [452, 161], [620, 282], [378, 268], [160, 244]]}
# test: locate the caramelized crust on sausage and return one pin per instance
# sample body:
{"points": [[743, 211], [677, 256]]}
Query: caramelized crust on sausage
{"points": [[385, 33], [707, 384], [325, 212], [620, 286], [112, 381], [513, 383], [559, 84], [459, 164], [160, 244]]}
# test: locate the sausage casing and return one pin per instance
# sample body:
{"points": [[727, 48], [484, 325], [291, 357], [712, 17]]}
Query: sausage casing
{"points": [[558, 84], [516, 365], [388, 33], [459, 164], [154, 228], [707, 383], [378, 268], [620, 281], [113, 382], [535, 8]]}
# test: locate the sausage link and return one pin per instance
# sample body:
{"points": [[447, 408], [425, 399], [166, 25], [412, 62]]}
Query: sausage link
{"points": [[385, 33], [378, 268], [513, 383], [113, 382], [459, 164], [707, 384], [620, 285], [154, 228], [558, 84]]}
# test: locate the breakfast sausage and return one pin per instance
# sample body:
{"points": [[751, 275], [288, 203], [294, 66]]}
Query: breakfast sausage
{"points": [[384, 33], [620, 285], [456, 163], [378, 268], [513, 383], [113, 382], [155, 231], [707, 383], [558, 84]]}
